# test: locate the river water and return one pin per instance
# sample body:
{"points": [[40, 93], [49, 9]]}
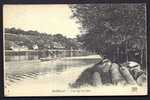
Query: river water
{"points": [[51, 78]]}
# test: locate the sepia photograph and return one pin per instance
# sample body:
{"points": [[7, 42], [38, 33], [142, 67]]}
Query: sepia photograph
{"points": [[97, 49]]}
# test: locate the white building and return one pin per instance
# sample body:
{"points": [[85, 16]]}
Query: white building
{"points": [[35, 47], [16, 47]]}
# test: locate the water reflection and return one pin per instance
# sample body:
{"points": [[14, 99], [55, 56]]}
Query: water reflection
{"points": [[63, 65]]}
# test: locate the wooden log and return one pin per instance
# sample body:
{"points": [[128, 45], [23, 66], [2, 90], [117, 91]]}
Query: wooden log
{"points": [[141, 80], [84, 78], [116, 75], [106, 65], [139, 76], [96, 79], [127, 75], [133, 65]]}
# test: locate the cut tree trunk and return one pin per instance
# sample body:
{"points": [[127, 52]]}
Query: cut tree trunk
{"points": [[116, 75], [127, 75]]}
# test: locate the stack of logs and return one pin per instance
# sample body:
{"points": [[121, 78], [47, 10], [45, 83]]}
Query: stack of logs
{"points": [[107, 73]]}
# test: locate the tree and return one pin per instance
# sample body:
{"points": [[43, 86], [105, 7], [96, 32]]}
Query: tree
{"points": [[110, 28], [43, 40]]}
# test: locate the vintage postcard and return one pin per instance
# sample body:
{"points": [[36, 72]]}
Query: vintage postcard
{"points": [[75, 49]]}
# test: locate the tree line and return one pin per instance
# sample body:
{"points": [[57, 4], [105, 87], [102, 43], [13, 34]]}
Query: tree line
{"points": [[42, 40], [115, 31]]}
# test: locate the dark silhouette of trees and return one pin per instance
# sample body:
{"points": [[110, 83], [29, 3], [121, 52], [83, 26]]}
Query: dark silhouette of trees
{"points": [[113, 30]]}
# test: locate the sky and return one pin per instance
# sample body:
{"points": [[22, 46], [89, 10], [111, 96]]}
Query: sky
{"points": [[51, 19]]}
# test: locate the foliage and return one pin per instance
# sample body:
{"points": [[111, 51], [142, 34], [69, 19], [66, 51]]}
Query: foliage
{"points": [[43, 40], [112, 29]]}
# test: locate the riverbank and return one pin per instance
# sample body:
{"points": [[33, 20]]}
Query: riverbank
{"points": [[56, 84], [52, 78]]}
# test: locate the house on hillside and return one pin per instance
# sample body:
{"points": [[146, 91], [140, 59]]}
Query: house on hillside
{"points": [[35, 47], [57, 45], [16, 47]]}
